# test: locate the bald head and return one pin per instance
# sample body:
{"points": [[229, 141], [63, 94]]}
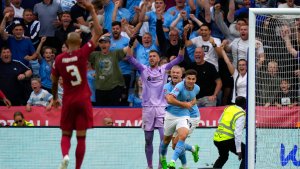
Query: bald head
{"points": [[73, 39]]}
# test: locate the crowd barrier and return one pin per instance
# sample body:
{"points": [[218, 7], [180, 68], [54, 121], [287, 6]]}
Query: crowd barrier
{"points": [[131, 117]]}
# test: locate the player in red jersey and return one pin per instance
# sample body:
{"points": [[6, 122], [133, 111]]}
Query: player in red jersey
{"points": [[76, 105]]}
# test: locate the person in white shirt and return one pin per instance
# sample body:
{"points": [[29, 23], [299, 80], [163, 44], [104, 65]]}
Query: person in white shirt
{"points": [[16, 4], [210, 45], [239, 75], [239, 46]]}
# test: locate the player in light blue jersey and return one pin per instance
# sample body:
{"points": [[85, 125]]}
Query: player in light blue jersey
{"points": [[176, 77], [181, 101]]}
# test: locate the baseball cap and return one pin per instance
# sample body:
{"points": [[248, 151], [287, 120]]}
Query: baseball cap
{"points": [[104, 38]]}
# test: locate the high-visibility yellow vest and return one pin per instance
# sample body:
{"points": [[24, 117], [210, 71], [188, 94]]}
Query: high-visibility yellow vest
{"points": [[26, 123], [225, 130]]}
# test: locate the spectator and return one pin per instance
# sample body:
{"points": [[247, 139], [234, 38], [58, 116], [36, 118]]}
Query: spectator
{"points": [[231, 32], [215, 9], [207, 78], [79, 14], [91, 73], [285, 97], [135, 98], [151, 16], [21, 47], [35, 64], [47, 11], [64, 48], [60, 90], [268, 84], [13, 75], [16, 4], [121, 13], [19, 120], [210, 45], [142, 49], [29, 4], [173, 12], [39, 96], [108, 10], [66, 5], [62, 31], [46, 62], [239, 75], [239, 47], [109, 80], [99, 10], [31, 27], [4, 99], [9, 21], [169, 47], [130, 4], [107, 121], [119, 42], [194, 33]]}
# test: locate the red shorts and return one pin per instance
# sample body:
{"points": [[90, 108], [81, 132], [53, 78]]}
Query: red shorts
{"points": [[76, 115]]}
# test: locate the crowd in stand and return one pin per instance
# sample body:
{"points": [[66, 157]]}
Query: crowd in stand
{"points": [[34, 32]]}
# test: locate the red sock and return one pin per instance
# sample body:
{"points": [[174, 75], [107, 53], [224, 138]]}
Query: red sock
{"points": [[80, 150], [65, 144]]}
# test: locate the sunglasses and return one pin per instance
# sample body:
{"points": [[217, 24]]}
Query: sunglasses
{"points": [[18, 121]]}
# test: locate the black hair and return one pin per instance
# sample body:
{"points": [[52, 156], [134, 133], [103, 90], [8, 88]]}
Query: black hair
{"points": [[4, 48], [17, 24], [241, 102], [205, 25], [114, 23], [190, 72]]}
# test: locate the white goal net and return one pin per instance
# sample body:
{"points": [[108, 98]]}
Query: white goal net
{"points": [[273, 89]]}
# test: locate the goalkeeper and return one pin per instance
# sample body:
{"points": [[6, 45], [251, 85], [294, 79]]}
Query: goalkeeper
{"points": [[228, 136]]}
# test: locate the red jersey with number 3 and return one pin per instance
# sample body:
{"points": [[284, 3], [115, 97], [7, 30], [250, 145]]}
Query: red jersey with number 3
{"points": [[72, 67]]}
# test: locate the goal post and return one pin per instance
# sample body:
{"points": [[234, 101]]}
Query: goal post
{"points": [[253, 161]]}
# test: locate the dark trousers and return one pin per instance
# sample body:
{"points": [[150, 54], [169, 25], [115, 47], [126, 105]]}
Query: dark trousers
{"points": [[124, 98], [224, 147], [109, 97]]}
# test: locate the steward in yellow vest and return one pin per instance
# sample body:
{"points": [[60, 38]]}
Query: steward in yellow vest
{"points": [[228, 136], [20, 121]]}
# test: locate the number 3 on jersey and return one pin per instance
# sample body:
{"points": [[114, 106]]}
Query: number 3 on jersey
{"points": [[75, 73]]}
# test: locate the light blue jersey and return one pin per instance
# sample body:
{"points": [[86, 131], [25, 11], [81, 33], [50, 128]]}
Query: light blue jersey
{"points": [[45, 72], [124, 65], [41, 98], [184, 95], [152, 23], [124, 13], [172, 15], [142, 53], [108, 10], [168, 88]]}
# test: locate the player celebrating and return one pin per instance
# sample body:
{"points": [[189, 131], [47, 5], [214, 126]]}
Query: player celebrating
{"points": [[76, 108], [176, 77], [181, 100], [153, 78]]}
